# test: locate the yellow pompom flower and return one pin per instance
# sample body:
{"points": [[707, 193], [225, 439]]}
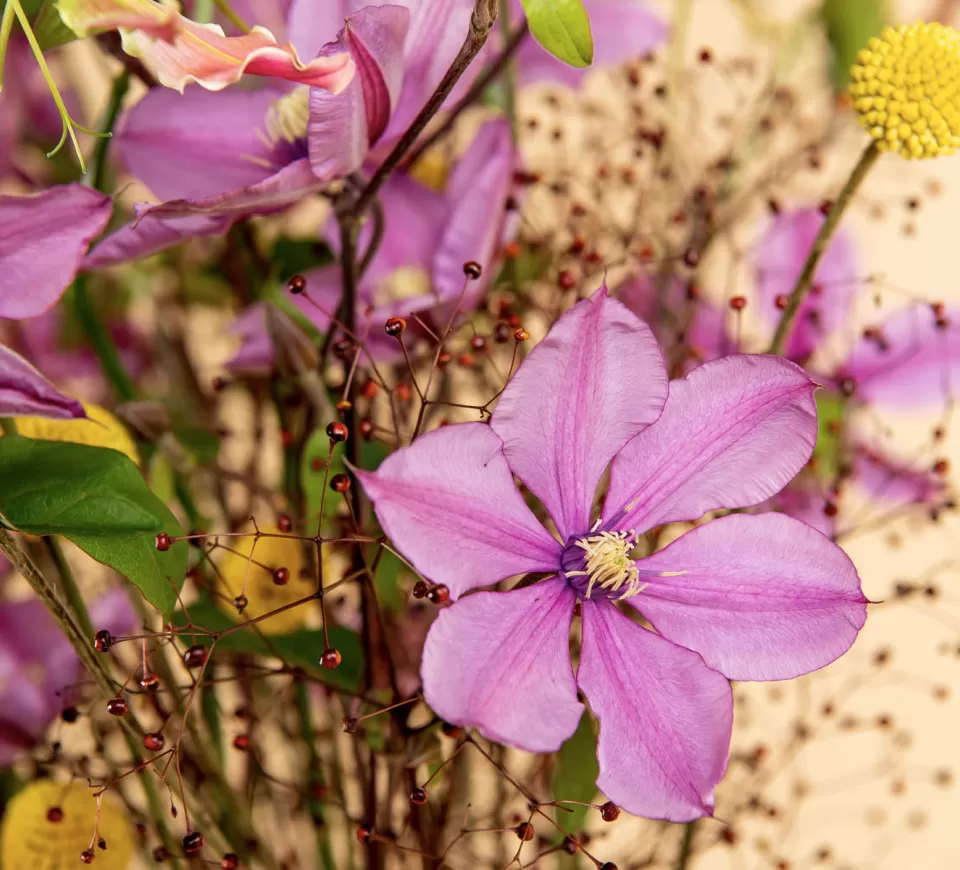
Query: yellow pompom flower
{"points": [[49, 824], [260, 586], [906, 89], [101, 430]]}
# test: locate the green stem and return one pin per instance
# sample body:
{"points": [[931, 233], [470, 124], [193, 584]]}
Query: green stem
{"points": [[686, 847], [97, 176], [101, 342], [70, 588], [819, 247], [509, 80], [308, 733]]}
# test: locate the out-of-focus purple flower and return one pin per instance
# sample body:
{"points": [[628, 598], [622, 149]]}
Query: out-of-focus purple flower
{"points": [[418, 267], [622, 30], [743, 597], [39, 671], [26, 392], [43, 238]]}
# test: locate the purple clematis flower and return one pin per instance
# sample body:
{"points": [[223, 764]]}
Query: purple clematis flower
{"points": [[26, 392], [43, 238], [743, 597], [39, 670], [418, 268]]}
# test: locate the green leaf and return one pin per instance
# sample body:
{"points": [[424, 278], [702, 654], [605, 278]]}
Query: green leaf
{"points": [[296, 256], [59, 488], [562, 27], [97, 498], [849, 24], [312, 470], [301, 648], [576, 775], [202, 444], [389, 581], [828, 451]]}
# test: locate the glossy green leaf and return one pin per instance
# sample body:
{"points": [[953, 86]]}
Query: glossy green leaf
{"points": [[576, 775], [295, 256], [562, 27], [313, 468], [49, 28], [98, 499], [301, 648], [849, 24]]}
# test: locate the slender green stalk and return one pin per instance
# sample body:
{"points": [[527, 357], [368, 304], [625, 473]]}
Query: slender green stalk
{"points": [[509, 80], [819, 247], [101, 341], [97, 176], [686, 847], [229, 12], [71, 590]]}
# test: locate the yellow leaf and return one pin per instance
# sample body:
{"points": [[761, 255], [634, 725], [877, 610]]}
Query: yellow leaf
{"points": [[101, 430]]}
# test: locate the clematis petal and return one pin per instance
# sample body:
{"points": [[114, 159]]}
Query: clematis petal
{"points": [[437, 31], [278, 191], [342, 127], [910, 361], [622, 30], [665, 717], [733, 433], [149, 235], [23, 390], [199, 144], [43, 238], [894, 481], [449, 502], [590, 386], [782, 601], [780, 258], [500, 662], [311, 25], [477, 191], [26, 708]]}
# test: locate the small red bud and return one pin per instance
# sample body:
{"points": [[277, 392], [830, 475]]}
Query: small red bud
{"points": [[521, 335], [337, 432], [340, 483], [364, 833], [781, 301], [439, 594], [566, 280], [153, 742], [420, 589], [281, 576], [738, 303], [472, 270], [610, 812], [366, 429], [163, 542], [195, 656], [240, 602], [86, 856], [103, 640], [55, 815], [395, 327], [192, 842], [284, 523], [297, 284], [117, 706], [525, 831], [229, 862], [418, 796], [241, 742], [330, 659], [149, 682]]}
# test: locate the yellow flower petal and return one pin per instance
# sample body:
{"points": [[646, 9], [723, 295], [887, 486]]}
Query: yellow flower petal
{"points": [[263, 594], [32, 837], [101, 430]]}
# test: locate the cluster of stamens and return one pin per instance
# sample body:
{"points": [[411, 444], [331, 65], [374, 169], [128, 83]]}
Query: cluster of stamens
{"points": [[608, 565], [288, 117]]}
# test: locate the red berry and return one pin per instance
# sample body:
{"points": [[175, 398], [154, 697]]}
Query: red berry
{"points": [[241, 742], [439, 594], [330, 659], [340, 482], [420, 589], [149, 682], [163, 542], [566, 280], [192, 842], [153, 742], [781, 301], [297, 284], [117, 706], [738, 303], [521, 335], [525, 831], [364, 833], [229, 862], [610, 812], [281, 576], [395, 327], [472, 270], [337, 432], [418, 796], [195, 656], [344, 405], [240, 602], [55, 815], [86, 856], [103, 640], [366, 428], [284, 523]]}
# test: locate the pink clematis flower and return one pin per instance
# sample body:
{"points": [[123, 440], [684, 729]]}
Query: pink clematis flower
{"points": [[39, 671], [743, 597], [43, 238], [418, 267]]}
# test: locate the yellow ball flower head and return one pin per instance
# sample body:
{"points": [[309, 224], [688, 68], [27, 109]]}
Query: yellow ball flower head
{"points": [[49, 824], [263, 591], [906, 89], [101, 430]]}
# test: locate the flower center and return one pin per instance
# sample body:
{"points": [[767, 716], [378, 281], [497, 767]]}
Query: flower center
{"points": [[601, 563], [288, 117]]}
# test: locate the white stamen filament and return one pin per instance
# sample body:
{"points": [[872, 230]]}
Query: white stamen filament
{"points": [[608, 563]]}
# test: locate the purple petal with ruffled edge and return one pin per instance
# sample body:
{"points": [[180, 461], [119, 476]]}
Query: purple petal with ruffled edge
{"points": [[278, 191], [591, 385], [342, 127], [911, 363], [42, 240], [26, 392], [780, 258], [150, 235], [200, 144], [437, 32], [477, 192], [500, 662], [622, 30], [782, 601], [665, 717], [732, 434], [449, 502]]}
